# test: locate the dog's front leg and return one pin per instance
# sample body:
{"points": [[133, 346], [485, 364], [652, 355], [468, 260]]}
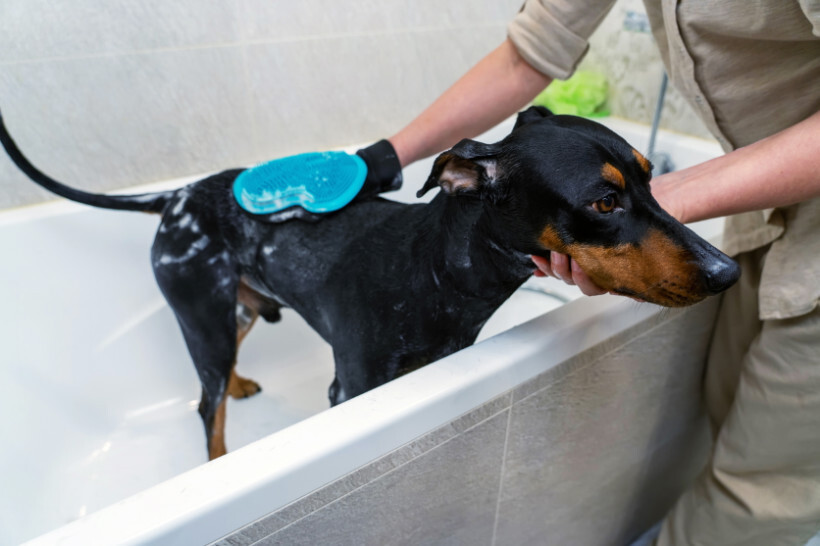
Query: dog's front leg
{"points": [[355, 376]]}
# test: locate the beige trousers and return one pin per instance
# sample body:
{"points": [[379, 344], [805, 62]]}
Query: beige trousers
{"points": [[761, 486]]}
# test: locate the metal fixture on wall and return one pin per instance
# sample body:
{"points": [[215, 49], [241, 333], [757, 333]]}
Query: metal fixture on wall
{"points": [[661, 162]]}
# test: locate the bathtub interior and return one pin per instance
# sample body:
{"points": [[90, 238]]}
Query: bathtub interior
{"points": [[100, 382]]}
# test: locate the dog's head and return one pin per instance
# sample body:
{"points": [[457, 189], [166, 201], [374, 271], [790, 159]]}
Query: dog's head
{"points": [[571, 185]]}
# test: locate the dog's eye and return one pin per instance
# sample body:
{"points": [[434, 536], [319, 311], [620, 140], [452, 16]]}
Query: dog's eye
{"points": [[605, 205]]}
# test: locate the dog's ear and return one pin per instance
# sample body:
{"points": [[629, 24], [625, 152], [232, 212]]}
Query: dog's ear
{"points": [[533, 113], [468, 167]]}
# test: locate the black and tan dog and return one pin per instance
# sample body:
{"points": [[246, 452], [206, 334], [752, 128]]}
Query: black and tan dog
{"points": [[393, 287]]}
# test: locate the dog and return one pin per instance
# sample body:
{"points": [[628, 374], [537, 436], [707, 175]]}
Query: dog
{"points": [[393, 286]]}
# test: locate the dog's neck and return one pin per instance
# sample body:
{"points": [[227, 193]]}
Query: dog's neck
{"points": [[474, 253]]}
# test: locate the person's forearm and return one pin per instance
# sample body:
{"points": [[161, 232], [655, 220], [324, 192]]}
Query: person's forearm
{"points": [[780, 170], [494, 89]]}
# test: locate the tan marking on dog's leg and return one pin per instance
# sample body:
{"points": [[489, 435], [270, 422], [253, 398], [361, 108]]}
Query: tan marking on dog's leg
{"points": [[240, 387], [216, 445], [244, 327]]}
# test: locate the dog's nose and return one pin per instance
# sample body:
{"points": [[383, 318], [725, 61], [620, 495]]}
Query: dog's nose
{"points": [[721, 273]]}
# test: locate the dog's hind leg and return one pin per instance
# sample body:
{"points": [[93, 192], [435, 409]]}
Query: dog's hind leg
{"points": [[246, 315], [250, 306], [202, 291]]}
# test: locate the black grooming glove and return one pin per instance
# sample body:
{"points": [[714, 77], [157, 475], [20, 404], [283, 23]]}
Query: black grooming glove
{"points": [[383, 169]]}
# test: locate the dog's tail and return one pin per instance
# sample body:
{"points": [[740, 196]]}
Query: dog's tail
{"points": [[149, 202]]}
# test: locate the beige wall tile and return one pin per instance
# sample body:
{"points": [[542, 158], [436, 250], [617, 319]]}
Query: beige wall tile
{"points": [[40, 29], [313, 94], [633, 66], [263, 20], [111, 122]]}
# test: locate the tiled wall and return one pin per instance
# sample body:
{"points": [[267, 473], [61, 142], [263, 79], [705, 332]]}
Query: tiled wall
{"points": [[106, 95], [634, 70], [591, 452]]}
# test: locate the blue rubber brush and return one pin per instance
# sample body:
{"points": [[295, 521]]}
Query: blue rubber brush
{"points": [[319, 182]]}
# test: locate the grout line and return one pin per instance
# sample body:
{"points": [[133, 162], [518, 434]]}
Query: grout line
{"points": [[370, 33], [241, 42], [241, 13], [115, 54], [503, 468]]}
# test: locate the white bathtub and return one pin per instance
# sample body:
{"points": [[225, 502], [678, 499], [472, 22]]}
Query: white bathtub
{"points": [[103, 441]]}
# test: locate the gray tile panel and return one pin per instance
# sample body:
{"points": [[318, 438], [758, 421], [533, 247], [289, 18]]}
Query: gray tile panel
{"points": [[446, 496], [458, 443], [601, 452]]}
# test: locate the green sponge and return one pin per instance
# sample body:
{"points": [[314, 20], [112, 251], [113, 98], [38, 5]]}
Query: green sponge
{"points": [[584, 94]]}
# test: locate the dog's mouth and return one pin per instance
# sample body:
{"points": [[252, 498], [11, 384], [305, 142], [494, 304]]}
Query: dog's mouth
{"points": [[662, 296]]}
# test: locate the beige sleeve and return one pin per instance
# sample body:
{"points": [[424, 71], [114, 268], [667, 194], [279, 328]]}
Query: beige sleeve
{"points": [[812, 10], [552, 35]]}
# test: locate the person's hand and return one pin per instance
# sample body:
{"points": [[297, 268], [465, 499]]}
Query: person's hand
{"points": [[383, 169], [562, 267]]}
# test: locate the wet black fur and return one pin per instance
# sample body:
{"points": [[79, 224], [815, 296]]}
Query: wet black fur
{"points": [[390, 286]]}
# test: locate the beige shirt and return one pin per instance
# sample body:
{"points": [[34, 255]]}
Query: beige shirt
{"points": [[750, 68]]}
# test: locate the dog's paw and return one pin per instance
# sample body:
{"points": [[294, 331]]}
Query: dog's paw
{"points": [[239, 387]]}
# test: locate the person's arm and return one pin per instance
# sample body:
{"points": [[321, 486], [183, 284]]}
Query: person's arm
{"points": [[777, 171], [498, 86]]}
